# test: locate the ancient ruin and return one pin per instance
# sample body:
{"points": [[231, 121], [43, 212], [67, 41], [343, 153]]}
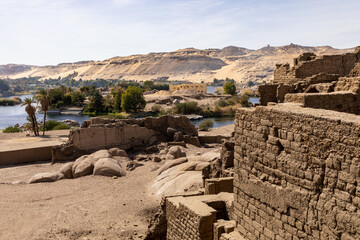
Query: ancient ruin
{"points": [[99, 133], [326, 82], [296, 162]]}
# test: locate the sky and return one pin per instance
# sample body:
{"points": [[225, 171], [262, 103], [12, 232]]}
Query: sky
{"points": [[49, 32]]}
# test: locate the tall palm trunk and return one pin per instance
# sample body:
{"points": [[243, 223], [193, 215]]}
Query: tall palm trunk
{"points": [[33, 125], [44, 123], [36, 125]]}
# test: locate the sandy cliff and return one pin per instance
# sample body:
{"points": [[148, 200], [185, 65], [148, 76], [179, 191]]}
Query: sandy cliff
{"points": [[190, 64]]}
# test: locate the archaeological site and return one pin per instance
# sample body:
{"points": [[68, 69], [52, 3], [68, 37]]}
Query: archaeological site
{"points": [[294, 166], [288, 169]]}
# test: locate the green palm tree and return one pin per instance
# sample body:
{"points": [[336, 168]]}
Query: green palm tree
{"points": [[43, 98], [31, 111]]}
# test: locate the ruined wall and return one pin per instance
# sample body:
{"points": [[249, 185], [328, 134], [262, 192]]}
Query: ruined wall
{"points": [[193, 217], [99, 133], [296, 173], [267, 94], [189, 219], [306, 66], [335, 64], [336, 101], [117, 134]]}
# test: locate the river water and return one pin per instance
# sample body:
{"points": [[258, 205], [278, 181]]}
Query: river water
{"points": [[10, 115]]}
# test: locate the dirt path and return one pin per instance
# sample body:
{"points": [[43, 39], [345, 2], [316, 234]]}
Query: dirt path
{"points": [[91, 207]]}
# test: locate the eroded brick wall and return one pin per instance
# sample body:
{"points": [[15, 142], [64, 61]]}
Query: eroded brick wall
{"points": [[337, 101], [189, 219], [296, 173], [335, 64]]}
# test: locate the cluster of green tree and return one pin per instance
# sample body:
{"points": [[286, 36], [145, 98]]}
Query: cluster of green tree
{"points": [[69, 81], [65, 96], [4, 86], [43, 98], [150, 85], [129, 100], [220, 82], [229, 88]]}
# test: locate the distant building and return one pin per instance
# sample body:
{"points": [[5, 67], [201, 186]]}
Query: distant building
{"points": [[199, 87]]}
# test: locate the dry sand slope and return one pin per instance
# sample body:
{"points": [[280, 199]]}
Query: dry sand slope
{"points": [[190, 64]]}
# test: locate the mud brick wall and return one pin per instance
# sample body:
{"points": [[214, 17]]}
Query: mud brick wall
{"points": [[296, 173], [189, 219], [336, 64], [337, 101], [267, 94], [348, 84]]}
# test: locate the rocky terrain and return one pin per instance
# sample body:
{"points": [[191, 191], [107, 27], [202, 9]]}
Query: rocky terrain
{"points": [[189, 64]]}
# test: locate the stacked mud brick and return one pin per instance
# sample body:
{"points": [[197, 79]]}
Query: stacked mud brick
{"points": [[297, 172], [335, 78]]}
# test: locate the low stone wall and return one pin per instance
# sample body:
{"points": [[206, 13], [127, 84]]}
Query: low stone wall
{"points": [[34, 154], [296, 173], [338, 101]]}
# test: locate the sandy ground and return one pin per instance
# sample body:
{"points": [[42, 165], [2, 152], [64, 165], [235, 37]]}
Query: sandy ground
{"points": [[12, 141], [91, 207], [223, 131]]}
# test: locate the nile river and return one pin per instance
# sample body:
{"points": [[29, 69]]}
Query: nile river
{"points": [[11, 115]]}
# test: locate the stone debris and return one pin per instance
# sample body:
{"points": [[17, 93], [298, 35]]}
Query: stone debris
{"points": [[70, 122], [175, 152], [46, 177], [66, 169], [156, 159], [117, 152], [108, 167], [132, 165], [97, 163], [84, 167]]}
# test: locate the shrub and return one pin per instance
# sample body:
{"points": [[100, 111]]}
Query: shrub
{"points": [[61, 126], [229, 88], [244, 100], [133, 99], [49, 125], [248, 91], [157, 109], [12, 129], [221, 103], [187, 108], [206, 124], [219, 90]]}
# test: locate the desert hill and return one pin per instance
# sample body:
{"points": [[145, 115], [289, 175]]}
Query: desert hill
{"points": [[190, 64]]}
